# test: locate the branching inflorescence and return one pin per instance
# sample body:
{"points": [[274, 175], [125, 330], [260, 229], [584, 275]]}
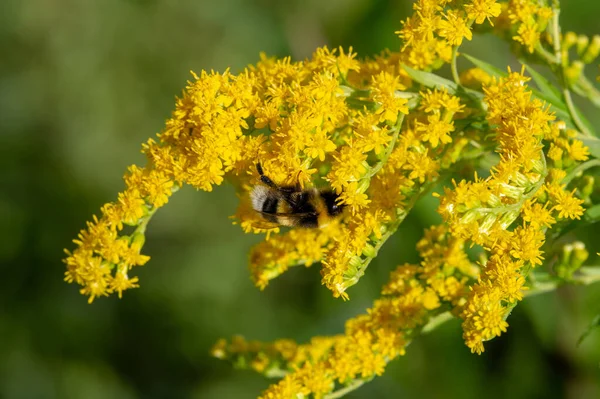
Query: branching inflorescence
{"points": [[382, 132]]}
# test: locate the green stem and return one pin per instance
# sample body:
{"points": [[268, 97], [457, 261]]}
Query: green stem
{"points": [[436, 321], [585, 88], [561, 71], [141, 227], [390, 232], [573, 113], [580, 168], [453, 66], [354, 385], [585, 276], [532, 192], [143, 223], [389, 150]]}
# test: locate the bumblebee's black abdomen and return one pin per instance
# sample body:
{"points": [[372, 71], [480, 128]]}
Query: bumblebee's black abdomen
{"points": [[309, 221], [270, 205]]}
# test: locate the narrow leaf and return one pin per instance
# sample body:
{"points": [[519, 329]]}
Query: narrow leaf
{"points": [[594, 324], [430, 80], [550, 92], [584, 120], [592, 214], [490, 69]]}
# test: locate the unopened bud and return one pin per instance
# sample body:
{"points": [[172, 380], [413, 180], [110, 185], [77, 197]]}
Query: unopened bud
{"points": [[470, 216], [369, 251], [494, 201], [508, 218], [521, 179], [511, 191], [586, 186], [592, 51], [573, 72], [582, 43], [565, 255], [569, 40], [537, 166], [487, 223], [580, 255], [355, 264]]}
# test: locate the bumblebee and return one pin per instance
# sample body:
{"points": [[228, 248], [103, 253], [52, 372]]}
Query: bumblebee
{"points": [[293, 206]]}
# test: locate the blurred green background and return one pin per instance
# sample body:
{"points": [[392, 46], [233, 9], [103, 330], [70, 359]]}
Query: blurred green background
{"points": [[82, 85]]}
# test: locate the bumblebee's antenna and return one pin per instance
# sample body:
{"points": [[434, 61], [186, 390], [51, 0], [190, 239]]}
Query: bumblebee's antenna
{"points": [[264, 178]]}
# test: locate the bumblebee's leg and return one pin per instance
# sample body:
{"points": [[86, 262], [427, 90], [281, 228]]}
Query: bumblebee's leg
{"points": [[298, 185], [265, 179]]}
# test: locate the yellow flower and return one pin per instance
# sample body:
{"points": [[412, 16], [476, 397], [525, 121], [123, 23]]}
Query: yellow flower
{"points": [[435, 130], [480, 10], [319, 144], [567, 205], [353, 197], [454, 28]]}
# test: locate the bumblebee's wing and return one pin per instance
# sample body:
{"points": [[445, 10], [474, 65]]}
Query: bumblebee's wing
{"points": [[308, 219], [264, 224]]}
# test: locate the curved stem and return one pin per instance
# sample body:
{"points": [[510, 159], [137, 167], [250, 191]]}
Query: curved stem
{"points": [[390, 232], [389, 150], [453, 66], [585, 88], [580, 168], [573, 113], [561, 71], [341, 392]]}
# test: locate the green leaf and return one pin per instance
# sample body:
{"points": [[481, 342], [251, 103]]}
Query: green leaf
{"points": [[593, 143], [490, 69], [584, 120], [594, 324], [592, 214], [431, 80], [550, 92]]}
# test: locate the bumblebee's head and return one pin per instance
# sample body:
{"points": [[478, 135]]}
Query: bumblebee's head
{"points": [[333, 207]]}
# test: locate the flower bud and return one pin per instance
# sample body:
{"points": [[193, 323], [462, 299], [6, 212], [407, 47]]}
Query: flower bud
{"points": [[521, 180], [508, 218], [487, 223], [537, 166], [592, 51], [494, 201], [354, 265], [369, 251], [470, 216], [572, 257], [586, 186], [580, 255], [573, 72], [565, 255], [511, 191], [569, 40], [582, 43]]}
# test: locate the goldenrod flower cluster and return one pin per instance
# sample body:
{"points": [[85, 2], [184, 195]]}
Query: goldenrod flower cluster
{"points": [[525, 21], [521, 189], [437, 26], [412, 297], [381, 132]]}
